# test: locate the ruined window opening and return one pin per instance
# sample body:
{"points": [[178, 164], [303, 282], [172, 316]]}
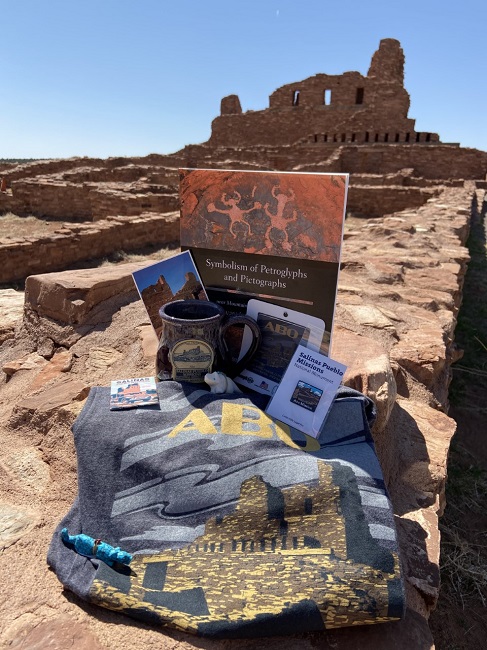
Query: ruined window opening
{"points": [[376, 137], [344, 137], [316, 138], [335, 138], [295, 97], [359, 97], [428, 137], [366, 136], [406, 139], [353, 137], [397, 137], [417, 136], [327, 98], [325, 137], [386, 137]]}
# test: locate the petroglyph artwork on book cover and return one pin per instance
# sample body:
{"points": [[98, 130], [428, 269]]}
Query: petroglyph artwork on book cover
{"points": [[275, 236]]}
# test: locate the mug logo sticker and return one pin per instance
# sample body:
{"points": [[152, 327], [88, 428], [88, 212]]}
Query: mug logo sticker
{"points": [[191, 359]]}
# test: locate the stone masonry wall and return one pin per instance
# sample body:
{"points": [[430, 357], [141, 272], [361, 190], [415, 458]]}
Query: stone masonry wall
{"points": [[77, 242], [432, 161], [57, 199]]}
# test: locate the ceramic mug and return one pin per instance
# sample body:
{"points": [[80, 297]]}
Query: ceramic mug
{"points": [[192, 341]]}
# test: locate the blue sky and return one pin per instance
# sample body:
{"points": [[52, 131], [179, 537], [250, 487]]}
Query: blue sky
{"points": [[120, 77]]}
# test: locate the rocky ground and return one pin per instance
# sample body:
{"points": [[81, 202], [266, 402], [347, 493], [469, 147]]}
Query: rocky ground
{"points": [[399, 293]]}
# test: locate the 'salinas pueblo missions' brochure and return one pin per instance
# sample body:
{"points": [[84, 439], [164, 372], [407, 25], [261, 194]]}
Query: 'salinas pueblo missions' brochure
{"points": [[275, 236]]}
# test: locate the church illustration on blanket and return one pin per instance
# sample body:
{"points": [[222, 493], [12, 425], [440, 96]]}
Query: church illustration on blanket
{"points": [[288, 552]]}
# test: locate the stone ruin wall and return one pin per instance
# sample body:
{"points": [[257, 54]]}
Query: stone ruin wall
{"points": [[49, 197], [118, 216], [113, 219], [79, 242], [364, 117], [329, 109]]}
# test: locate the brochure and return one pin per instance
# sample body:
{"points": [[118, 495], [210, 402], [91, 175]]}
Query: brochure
{"points": [[307, 389], [282, 331], [175, 278], [134, 392], [273, 236]]}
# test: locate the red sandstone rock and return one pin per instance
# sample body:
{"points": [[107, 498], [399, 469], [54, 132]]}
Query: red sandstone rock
{"points": [[62, 393], [369, 371], [65, 306], [28, 362], [69, 296], [60, 363], [57, 633]]}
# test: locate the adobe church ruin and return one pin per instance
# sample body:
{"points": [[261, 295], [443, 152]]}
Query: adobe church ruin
{"points": [[328, 109]]}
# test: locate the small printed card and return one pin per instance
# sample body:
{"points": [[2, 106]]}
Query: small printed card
{"points": [[131, 393], [304, 396]]}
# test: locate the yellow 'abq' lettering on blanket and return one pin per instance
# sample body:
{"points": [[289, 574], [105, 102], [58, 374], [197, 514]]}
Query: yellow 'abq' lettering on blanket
{"points": [[241, 420]]}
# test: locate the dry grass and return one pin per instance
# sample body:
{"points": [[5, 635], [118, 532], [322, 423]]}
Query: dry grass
{"points": [[464, 532], [14, 227], [147, 254]]}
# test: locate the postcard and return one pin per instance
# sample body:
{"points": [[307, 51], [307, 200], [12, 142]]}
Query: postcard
{"points": [[175, 278]]}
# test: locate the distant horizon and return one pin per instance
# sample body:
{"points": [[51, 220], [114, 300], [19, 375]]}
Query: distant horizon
{"points": [[119, 79]]}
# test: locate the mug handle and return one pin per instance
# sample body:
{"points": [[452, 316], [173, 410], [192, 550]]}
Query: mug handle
{"points": [[231, 368]]}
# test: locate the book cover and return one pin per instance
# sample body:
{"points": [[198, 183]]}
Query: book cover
{"points": [[304, 396], [275, 236], [175, 278], [134, 392]]}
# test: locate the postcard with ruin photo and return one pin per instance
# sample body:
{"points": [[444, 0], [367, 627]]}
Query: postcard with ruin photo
{"points": [[175, 278], [274, 236]]}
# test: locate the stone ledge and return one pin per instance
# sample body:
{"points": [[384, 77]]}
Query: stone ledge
{"points": [[65, 306]]}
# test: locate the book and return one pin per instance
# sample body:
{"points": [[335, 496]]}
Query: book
{"points": [[175, 278], [134, 392], [306, 391], [273, 236]]}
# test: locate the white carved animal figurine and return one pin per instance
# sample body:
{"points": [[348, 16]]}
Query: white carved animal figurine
{"points": [[220, 383]]}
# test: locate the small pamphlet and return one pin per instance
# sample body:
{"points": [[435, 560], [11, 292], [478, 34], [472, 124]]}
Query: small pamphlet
{"points": [[175, 278], [132, 393], [305, 394]]}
